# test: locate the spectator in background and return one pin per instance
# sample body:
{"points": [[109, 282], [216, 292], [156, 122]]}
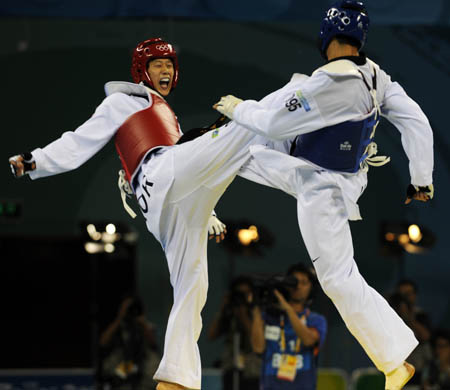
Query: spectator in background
{"points": [[436, 375], [417, 319], [129, 356], [233, 321], [404, 301], [290, 338]]}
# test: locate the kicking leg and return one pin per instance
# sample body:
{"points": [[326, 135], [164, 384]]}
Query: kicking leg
{"points": [[212, 160]]}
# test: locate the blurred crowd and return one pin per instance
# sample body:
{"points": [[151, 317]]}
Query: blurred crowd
{"points": [[431, 358], [271, 337]]}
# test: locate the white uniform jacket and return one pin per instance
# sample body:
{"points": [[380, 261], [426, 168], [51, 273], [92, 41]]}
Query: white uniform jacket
{"points": [[333, 94], [74, 148]]}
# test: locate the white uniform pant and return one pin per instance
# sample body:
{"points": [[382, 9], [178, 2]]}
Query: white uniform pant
{"points": [[177, 192], [323, 215], [324, 225]]}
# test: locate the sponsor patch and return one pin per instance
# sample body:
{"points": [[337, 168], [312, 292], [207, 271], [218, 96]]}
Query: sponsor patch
{"points": [[215, 133], [303, 101]]}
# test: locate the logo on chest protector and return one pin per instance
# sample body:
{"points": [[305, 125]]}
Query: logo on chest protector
{"points": [[346, 146]]}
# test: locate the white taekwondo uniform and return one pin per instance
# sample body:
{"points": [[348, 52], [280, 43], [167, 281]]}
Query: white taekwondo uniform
{"points": [[327, 198], [177, 188]]}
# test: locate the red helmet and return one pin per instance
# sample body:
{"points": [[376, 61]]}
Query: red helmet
{"points": [[149, 50]]}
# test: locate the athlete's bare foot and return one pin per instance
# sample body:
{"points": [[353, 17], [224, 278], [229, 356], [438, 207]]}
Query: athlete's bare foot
{"points": [[398, 378], [169, 386]]}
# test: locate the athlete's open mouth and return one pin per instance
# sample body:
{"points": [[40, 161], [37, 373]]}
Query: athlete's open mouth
{"points": [[164, 82]]}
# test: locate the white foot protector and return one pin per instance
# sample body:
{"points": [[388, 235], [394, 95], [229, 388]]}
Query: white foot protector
{"points": [[398, 378]]}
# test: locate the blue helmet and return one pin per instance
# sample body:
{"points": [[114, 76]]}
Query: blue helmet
{"points": [[347, 18]]}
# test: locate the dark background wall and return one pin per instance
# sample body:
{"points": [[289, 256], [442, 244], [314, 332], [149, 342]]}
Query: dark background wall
{"points": [[53, 72]]}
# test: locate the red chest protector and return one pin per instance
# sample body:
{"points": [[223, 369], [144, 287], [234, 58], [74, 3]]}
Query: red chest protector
{"points": [[144, 130]]}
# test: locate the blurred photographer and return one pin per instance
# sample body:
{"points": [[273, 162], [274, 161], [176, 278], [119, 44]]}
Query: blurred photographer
{"points": [[404, 302], [289, 335], [436, 375], [129, 355], [241, 366]]}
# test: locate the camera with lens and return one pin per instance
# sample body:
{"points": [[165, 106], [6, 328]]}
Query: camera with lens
{"points": [[264, 290]]}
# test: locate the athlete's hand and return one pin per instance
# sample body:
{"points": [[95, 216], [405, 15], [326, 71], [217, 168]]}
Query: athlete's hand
{"points": [[21, 164], [421, 193], [216, 228], [227, 104]]}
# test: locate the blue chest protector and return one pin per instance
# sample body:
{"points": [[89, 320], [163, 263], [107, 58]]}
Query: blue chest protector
{"points": [[342, 147]]}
